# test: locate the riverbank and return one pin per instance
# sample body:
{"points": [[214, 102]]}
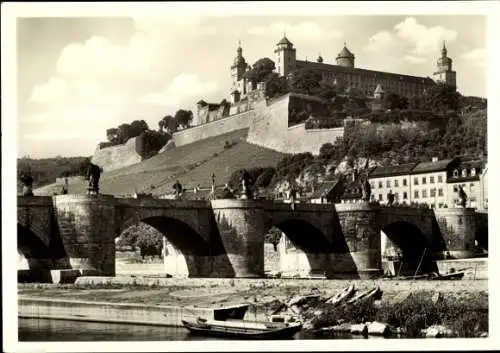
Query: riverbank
{"points": [[145, 298]]}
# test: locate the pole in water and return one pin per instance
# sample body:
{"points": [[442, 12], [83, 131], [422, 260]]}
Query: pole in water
{"points": [[418, 267]]}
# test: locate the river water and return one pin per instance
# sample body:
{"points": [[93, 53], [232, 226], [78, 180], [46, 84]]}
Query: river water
{"points": [[65, 330]]}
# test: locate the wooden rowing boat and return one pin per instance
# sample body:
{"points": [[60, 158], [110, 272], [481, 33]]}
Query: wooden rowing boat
{"points": [[345, 294], [242, 329], [371, 293]]}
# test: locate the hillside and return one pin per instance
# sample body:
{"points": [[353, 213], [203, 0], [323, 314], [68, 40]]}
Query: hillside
{"points": [[191, 164]]}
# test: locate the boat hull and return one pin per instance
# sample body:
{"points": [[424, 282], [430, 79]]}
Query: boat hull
{"points": [[241, 333]]}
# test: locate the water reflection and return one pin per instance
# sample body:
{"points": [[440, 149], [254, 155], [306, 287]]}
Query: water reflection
{"points": [[64, 330]]}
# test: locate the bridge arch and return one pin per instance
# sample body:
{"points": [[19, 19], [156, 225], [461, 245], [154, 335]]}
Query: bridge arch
{"points": [[37, 254], [405, 245], [186, 253], [303, 248]]}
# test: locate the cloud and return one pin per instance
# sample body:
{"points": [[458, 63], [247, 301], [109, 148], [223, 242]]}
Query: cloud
{"points": [[183, 87], [300, 31], [54, 90], [415, 59], [380, 41], [477, 56], [424, 40], [100, 82]]}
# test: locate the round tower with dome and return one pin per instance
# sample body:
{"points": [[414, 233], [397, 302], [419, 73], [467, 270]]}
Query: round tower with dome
{"points": [[345, 57]]}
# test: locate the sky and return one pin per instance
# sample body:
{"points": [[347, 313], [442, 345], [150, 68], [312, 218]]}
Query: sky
{"points": [[78, 76]]}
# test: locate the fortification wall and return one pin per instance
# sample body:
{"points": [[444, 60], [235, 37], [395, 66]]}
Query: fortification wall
{"points": [[213, 128], [270, 129], [116, 157]]}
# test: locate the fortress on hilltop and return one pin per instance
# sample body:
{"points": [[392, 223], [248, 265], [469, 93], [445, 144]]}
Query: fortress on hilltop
{"points": [[272, 123]]}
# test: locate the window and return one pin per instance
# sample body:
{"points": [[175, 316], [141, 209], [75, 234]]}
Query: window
{"points": [[433, 192], [424, 193], [416, 194], [396, 182], [388, 183], [440, 192], [464, 172], [405, 195], [431, 180], [404, 182], [396, 196], [473, 172], [440, 178], [380, 197], [415, 181], [380, 185], [455, 173], [471, 185], [455, 189], [372, 185], [424, 180]]}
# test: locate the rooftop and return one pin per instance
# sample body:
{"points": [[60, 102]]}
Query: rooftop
{"points": [[393, 170], [425, 167], [376, 74]]}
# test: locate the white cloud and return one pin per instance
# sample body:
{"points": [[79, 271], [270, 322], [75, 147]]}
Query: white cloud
{"points": [[415, 59], [424, 40], [54, 90], [380, 41], [100, 82], [183, 87], [300, 31], [477, 56]]}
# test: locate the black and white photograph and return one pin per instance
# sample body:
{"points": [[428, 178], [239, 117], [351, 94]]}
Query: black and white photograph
{"points": [[248, 175]]}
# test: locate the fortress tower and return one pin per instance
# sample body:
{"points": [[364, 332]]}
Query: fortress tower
{"points": [[345, 57], [285, 57], [444, 71], [239, 67]]}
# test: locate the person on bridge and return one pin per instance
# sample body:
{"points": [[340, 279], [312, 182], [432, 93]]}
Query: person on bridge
{"points": [[390, 198], [27, 181], [178, 189], [227, 192]]}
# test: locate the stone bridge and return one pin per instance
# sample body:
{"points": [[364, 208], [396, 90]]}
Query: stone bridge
{"points": [[225, 238]]}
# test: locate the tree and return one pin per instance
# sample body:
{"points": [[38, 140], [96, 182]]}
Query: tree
{"points": [[168, 123], [306, 81], [264, 178], [260, 70], [113, 136], [150, 243], [394, 101], [276, 85], [183, 117], [137, 127]]}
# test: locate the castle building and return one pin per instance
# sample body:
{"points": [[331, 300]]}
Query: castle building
{"points": [[344, 73]]}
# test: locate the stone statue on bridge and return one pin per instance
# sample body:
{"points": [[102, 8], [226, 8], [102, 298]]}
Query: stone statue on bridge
{"points": [[27, 181], [93, 176], [366, 190], [246, 180], [390, 198], [462, 195]]}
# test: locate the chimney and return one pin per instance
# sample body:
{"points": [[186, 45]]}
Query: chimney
{"points": [[434, 159]]}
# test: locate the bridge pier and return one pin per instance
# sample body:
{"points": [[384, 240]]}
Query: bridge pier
{"points": [[87, 227], [359, 223], [242, 225], [458, 230]]}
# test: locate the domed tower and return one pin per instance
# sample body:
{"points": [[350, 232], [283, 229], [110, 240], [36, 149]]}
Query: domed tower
{"points": [[237, 70], [445, 73], [285, 57], [345, 57]]}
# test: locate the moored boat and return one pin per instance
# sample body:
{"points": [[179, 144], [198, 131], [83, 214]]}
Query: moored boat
{"points": [[346, 293], [374, 293], [242, 329]]}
